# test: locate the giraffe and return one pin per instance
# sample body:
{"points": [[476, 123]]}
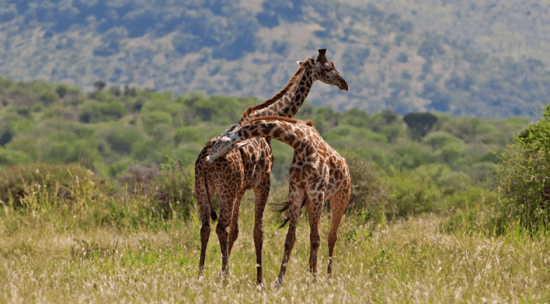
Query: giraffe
{"points": [[318, 173], [249, 166]]}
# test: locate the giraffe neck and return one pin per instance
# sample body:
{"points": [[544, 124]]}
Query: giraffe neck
{"points": [[289, 131], [291, 98]]}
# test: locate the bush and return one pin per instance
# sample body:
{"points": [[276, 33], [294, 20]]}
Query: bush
{"points": [[170, 188], [409, 157], [441, 139], [153, 118], [524, 177], [122, 139], [410, 193], [147, 150], [94, 112], [11, 157], [48, 98], [187, 134], [61, 90], [366, 189], [48, 180]]}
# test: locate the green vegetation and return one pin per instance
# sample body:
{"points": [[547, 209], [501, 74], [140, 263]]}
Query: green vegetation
{"points": [[525, 177], [111, 131], [94, 209]]}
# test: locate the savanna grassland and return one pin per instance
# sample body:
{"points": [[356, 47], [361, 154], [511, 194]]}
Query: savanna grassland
{"points": [[44, 258], [450, 209]]}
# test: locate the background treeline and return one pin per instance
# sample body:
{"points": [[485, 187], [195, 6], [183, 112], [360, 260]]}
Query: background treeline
{"points": [[234, 47], [113, 128], [58, 144]]}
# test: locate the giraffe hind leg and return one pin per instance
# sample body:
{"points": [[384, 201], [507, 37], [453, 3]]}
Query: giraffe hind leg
{"points": [[204, 197], [296, 196], [234, 225], [314, 208]]}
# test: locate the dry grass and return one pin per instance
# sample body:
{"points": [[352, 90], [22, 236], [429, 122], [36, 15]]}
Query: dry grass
{"points": [[406, 262]]}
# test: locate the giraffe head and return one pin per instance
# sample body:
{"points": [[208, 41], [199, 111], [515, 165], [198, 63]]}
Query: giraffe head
{"points": [[325, 71], [224, 144]]}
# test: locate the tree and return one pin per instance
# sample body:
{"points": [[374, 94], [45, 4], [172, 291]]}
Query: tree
{"points": [[99, 85], [61, 91], [420, 123]]}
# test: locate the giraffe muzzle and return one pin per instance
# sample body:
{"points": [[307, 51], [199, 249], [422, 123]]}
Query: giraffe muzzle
{"points": [[343, 86]]}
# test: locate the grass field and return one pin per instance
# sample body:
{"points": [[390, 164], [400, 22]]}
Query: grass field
{"points": [[47, 259]]}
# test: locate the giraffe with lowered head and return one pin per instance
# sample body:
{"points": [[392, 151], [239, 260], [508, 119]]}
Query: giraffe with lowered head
{"points": [[318, 173], [249, 166]]}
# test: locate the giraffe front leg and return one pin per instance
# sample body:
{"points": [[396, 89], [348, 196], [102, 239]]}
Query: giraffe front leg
{"points": [[295, 197], [261, 194]]}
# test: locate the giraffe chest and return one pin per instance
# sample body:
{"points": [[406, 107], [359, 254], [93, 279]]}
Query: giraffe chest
{"points": [[257, 162]]}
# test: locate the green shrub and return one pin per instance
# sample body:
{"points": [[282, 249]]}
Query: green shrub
{"points": [[170, 188], [410, 193], [153, 118], [48, 180], [187, 134], [48, 98], [366, 189], [119, 166], [147, 150], [454, 182], [472, 210], [440, 139], [61, 90], [409, 156], [122, 139], [451, 153], [356, 118], [94, 112], [524, 177], [13, 157]]}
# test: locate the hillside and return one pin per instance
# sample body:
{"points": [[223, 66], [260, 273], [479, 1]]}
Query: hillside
{"points": [[249, 49], [517, 29], [112, 129]]}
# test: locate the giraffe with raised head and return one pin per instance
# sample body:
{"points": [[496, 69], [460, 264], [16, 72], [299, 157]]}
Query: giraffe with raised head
{"points": [[249, 166], [317, 173]]}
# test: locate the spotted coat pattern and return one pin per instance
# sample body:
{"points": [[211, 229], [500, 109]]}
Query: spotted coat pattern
{"points": [[249, 166], [317, 173]]}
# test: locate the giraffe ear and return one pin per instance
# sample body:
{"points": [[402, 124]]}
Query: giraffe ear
{"points": [[241, 144], [312, 62], [299, 62]]}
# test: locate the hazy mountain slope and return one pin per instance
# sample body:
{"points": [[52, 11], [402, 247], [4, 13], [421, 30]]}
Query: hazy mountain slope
{"points": [[517, 28], [246, 48]]}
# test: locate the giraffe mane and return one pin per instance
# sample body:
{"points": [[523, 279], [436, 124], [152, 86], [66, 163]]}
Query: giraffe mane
{"points": [[308, 122], [275, 97]]}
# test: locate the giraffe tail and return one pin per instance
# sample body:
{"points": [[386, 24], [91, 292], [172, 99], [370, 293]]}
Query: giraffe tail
{"points": [[283, 208], [213, 214]]}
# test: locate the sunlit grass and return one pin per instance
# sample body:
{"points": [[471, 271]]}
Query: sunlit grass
{"points": [[406, 261]]}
